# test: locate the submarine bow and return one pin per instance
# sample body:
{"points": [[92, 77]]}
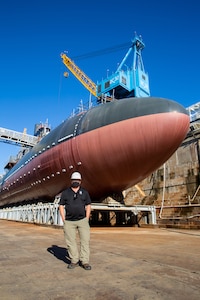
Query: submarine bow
{"points": [[114, 146]]}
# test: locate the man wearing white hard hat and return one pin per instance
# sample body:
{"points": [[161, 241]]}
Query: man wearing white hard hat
{"points": [[75, 209]]}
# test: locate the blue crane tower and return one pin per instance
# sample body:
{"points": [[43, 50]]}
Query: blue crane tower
{"points": [[127, 81]]}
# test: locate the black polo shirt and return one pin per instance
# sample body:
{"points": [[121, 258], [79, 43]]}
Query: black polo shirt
{"points": [[75, 203]]}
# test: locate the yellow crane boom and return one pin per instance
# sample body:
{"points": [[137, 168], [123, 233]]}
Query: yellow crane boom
{"points": [[79, 74]]}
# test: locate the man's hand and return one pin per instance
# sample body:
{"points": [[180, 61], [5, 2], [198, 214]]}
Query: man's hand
{"points": [[88, 211], [62, 212]]}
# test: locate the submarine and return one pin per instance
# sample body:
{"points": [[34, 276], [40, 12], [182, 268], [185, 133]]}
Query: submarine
{"points": [[113, 145]]}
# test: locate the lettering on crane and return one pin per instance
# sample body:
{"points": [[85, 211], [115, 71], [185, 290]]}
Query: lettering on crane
{"points": [[114, 79]]}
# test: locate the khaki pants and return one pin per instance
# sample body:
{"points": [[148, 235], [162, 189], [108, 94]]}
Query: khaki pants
{"points": [[70, 232]]}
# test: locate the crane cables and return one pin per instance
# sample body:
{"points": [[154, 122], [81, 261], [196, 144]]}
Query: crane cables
{"points": [[102, 51]]}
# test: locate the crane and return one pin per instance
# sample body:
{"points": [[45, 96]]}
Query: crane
{"points": [[79, 74], [127, 81]]}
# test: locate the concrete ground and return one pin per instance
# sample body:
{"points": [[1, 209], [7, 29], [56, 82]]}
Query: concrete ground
{"points": [[127, 263]]}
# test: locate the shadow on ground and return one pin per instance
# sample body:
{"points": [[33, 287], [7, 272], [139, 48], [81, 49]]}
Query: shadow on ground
{"points": [[60, 253]]}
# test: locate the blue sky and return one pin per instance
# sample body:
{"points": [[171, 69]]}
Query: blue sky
{"points": [[34, 33]]}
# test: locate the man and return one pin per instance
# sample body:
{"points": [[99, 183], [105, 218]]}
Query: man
{"points": [[75, 209]]}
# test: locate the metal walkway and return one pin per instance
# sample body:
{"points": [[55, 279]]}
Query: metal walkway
{"points": [[194, 112], [18, 138]]}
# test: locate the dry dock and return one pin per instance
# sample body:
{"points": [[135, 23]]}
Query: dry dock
{"points": [[127, 263]]}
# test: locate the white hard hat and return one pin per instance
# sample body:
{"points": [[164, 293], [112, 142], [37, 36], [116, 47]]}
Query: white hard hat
{"points": [[76, 175]]}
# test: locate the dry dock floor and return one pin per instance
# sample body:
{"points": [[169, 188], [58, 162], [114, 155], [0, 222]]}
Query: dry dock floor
{"points": [[127, 263]]}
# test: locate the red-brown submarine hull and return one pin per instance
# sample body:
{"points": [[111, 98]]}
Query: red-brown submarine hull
{"points": [[111, 155]]}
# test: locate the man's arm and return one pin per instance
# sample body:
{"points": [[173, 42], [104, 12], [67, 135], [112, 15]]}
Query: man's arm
{"points": [[62, 212], [88, 211]]}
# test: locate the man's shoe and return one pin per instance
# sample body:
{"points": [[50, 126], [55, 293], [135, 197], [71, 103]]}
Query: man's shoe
{"points": [[73, 265], [86, 266]]}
